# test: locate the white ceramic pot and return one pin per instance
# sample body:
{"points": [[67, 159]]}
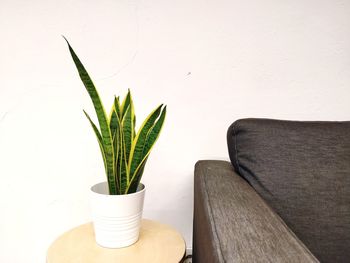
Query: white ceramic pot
{"points": [[116, 218]]}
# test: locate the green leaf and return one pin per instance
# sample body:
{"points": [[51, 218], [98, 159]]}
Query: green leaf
{"points": [[117, 106], [99, 139], [102, 119], [151, 138], [122, 165], [126, 103], [134, 124], [128, 128], [115, 125], [136, 153], [153, 133], [114, 122], [137, 178]]}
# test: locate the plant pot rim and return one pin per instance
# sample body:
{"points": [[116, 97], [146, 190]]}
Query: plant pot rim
{"points": [[140, 188]]}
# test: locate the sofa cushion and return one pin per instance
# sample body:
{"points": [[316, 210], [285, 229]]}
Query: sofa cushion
{"points": [[302, 170]]}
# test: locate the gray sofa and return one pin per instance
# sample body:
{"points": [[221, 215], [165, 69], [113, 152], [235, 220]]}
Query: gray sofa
{"points": [[284, 197]]}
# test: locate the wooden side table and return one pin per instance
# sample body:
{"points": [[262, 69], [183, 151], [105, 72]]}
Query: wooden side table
{"points": [[157, 243]]}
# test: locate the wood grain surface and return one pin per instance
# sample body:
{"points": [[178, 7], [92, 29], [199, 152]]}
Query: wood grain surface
{"points": [[157, 243]]}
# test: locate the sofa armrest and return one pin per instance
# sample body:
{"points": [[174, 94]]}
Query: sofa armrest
{"points": [[233, 224]]}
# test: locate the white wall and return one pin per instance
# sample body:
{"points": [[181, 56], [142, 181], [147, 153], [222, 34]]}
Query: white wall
{"points": [[210, 61]]}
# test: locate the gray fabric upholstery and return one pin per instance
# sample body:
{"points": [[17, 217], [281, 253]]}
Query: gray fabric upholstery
{"points": [[233, 224], [302, 170]]}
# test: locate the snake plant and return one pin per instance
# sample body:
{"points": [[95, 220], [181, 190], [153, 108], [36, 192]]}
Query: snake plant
{"points": [[124, 151]]}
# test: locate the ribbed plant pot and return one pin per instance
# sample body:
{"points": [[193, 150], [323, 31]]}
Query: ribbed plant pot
{"points": [[116, 218]]}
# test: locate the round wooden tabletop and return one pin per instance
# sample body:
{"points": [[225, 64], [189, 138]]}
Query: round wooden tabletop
{"points": [[157, 243]]}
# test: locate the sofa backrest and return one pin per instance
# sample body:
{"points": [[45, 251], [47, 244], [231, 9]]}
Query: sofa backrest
{"points": [[302, 170]]}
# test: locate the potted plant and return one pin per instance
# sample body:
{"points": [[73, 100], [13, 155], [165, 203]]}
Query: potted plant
{"points": [[117, 204]]}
